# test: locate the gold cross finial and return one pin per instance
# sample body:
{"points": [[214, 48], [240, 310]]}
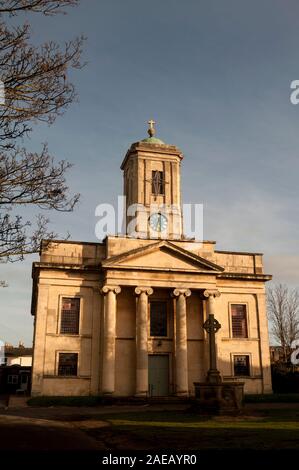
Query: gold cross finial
{"points": [[151, 131]]}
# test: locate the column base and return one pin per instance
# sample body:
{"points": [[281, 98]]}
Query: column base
{"points": [[141, 394], [182, 394]]}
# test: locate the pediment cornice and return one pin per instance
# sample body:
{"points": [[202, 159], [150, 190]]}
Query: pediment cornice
{"points": [[191, 261]]}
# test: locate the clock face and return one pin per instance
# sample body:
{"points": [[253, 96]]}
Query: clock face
{"points": [[158, 222]]}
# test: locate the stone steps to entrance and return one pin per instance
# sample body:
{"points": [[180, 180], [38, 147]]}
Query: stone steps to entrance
{"points": [[145, 400]]}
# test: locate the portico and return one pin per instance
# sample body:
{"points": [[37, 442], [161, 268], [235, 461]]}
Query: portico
{"points": [[174, 346], [186, 275]]}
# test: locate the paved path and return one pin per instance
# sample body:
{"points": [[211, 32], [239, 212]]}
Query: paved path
{"points": [[72, 413], [66, 428]]}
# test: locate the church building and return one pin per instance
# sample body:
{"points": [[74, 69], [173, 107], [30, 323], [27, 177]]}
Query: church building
{"points": [[124, 317]]}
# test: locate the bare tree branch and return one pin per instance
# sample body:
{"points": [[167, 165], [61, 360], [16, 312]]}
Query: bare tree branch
{"points": [[48, 7], [35, 81], [37, 89], [15, 240], [32, 178]]}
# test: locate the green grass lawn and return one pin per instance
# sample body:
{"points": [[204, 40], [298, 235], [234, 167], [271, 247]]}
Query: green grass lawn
{"points": [[272, 429]]}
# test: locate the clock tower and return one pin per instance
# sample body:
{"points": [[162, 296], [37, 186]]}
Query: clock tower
{"points": [[152, 187]]}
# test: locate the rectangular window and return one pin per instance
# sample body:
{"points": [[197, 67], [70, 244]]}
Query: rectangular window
{"points": [[157, 182], [12, 379], [241, 365], [158, 318], [70, 313], [239, 321], [68, 364]]}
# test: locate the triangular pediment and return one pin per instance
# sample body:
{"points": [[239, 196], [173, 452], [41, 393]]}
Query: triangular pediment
{"points": [[162, 255]]}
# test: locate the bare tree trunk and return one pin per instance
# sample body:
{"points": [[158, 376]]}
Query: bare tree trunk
{"points": [[283, 312]]}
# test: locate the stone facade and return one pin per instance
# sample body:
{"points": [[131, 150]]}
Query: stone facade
{"points": [[119, 280]]}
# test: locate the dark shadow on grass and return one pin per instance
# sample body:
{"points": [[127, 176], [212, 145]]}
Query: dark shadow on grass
{"points": [[185, 431]]}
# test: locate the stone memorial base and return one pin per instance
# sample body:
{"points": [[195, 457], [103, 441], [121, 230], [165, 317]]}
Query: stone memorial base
{"points": [[225, 398]]}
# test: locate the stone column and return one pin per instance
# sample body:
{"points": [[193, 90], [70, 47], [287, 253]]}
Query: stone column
{"points": [[108, 371], [212, 326], [141, 340], [181, 360], [210, 295]]}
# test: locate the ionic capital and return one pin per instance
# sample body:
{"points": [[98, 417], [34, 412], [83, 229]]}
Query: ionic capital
{"points": [[211, 293], [146, 290], [115, 289], [184, 292]]}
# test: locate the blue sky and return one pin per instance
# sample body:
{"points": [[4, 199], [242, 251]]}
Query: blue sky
{"points": [[216, 78]]}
